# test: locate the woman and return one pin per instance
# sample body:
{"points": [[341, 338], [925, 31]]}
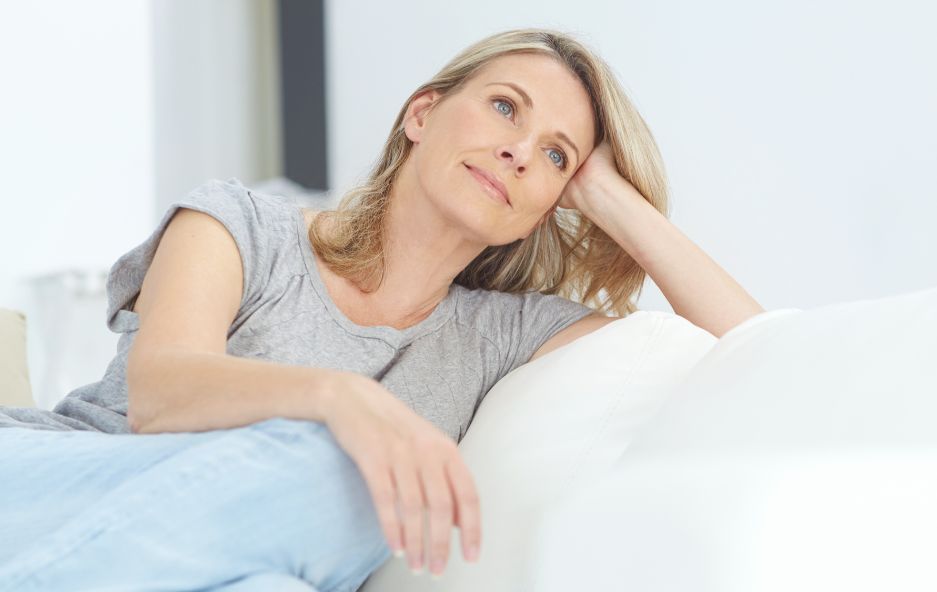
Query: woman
{"points": [[297, 381]]}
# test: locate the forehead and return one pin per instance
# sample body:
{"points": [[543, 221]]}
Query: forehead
{"points": [[558, 96]]}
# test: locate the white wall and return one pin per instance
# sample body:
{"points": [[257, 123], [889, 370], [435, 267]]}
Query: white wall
{"points": [[110, 111], [217, 94], [799, 136], [76, 148], [76, 157]]}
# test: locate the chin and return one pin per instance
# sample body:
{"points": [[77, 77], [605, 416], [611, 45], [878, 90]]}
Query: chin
{"points": [[481, 224]]}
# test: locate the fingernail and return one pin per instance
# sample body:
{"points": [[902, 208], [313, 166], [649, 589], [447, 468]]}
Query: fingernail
{"points": [[416, 565], [399, 553], [471, 554], [437, 566]]}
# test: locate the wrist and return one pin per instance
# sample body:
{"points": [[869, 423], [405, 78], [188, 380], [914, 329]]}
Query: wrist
{"points": [[609, 199], [321, 394]]}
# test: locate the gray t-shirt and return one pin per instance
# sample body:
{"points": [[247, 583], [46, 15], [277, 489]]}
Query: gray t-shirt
{"points": [[441, 367]]}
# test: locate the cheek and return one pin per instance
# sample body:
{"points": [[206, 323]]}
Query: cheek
{"points": [[460, 120], [455, 133], [549, 189]]}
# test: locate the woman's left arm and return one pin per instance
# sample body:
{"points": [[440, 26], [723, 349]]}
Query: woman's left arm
{"points": [[694, 285]]}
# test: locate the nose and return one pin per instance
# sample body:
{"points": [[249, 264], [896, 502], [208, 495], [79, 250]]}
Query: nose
{"points": [[517, 154]]}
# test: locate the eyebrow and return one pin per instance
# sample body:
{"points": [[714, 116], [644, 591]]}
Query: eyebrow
{"points": [[530, 105], [564, 138], [524, 96]]}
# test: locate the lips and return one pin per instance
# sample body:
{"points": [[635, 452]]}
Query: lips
{"points": [[490, 183]]}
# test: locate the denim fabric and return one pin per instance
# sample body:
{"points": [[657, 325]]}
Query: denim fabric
{"points": [[263, 507]]}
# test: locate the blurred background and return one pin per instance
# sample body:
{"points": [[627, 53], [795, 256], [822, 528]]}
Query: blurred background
{"points": [[800, 137]]}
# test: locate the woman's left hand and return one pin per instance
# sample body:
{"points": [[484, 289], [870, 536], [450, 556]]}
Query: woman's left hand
{"points": [[598, 170]]}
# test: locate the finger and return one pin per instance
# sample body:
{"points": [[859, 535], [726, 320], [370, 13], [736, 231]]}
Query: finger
{"points": [[438, 497], [384, 497], [467, 509], [411, 507]]}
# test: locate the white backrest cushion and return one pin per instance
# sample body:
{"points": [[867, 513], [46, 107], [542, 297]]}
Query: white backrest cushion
{"points": [[800, 454], [14, 374], [549, 425], [839, 376]]}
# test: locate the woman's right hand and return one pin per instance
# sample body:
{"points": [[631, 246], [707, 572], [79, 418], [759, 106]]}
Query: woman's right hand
{"points": [[404, 458]]}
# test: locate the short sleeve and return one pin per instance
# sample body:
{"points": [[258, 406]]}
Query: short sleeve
{"points": [[242, 214], [517, 324], [539, 318]]}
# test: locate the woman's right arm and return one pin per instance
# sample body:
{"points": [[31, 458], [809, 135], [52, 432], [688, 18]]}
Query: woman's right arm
{"points": [[178, 375], [180, 378]]}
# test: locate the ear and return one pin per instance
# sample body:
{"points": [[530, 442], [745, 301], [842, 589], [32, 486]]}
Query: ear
{"points": [[415, 121], [542, 220]]}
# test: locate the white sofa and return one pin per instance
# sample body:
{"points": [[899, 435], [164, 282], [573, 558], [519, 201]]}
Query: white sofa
{"points": [[801, 454], [15, 389]]}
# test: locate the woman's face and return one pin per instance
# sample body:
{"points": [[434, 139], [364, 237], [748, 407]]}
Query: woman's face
{"points": [[494, 157]]}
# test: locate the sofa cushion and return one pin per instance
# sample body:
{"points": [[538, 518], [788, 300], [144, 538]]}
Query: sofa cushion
{"points": [[800, 454], [14, 374], [549, 425]]}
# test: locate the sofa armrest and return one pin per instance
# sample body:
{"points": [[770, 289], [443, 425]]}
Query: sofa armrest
{"points": [[15, 390]]}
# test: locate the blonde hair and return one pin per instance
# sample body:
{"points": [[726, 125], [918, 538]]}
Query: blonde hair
{"points": [[568, 255]]}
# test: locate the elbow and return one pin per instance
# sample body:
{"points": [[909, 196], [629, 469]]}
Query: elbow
{"points": [[731, 323], [137, 416], [136, 426], [141, 416], [136, 420], [140, 412]]}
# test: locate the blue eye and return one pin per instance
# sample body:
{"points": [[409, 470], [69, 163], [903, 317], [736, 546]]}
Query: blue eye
{"points": [[504, 108], [557, 157]]}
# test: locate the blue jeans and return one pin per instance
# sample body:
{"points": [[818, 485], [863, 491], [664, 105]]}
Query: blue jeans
{"points": [[272, 506]]}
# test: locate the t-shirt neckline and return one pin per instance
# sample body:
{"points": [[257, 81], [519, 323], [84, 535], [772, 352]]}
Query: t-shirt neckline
{"points": [[395, 337]]}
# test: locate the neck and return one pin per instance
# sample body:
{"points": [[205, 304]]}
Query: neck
{"points": [[423, 253]]}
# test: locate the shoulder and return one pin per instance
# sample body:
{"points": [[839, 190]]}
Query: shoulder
{"points": [[253, 219], [530, 308], [483, 308], [309, 216], [522, 324], [233, 193]]}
